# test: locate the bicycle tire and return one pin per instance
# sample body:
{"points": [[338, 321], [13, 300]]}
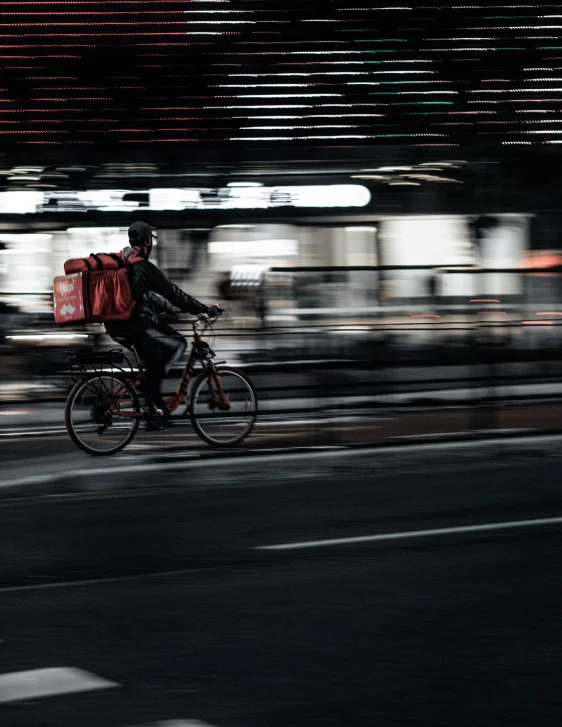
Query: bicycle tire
{"points": [[197, 407], [71, 427]]}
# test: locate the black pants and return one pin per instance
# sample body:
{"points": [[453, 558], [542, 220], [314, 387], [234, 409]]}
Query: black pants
{"points": [[158, 347]]}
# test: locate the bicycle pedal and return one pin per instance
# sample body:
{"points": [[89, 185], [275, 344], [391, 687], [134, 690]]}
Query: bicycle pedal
{"points": [[153, 425]]}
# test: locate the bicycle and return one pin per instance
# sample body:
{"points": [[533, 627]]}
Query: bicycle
{"points": [[103, 412]]}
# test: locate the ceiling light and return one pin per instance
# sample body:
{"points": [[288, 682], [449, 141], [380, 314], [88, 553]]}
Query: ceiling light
{"points": [[244, 184]]}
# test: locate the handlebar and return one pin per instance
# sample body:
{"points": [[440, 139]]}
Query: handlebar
{"points": [[202, 318]]}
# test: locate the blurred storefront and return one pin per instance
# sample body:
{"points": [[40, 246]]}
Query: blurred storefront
{"points": [[402, 258]]}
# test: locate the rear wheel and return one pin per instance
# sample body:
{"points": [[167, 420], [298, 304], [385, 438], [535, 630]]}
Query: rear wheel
{"points": [[220, 423], [102, 414]]}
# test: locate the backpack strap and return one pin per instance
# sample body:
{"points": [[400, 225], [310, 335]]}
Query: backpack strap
{"points": [[114, 256], [88, 264], [99, 261]]}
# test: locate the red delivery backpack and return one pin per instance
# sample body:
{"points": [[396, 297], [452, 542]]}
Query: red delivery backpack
{"points": [[95, 289]]}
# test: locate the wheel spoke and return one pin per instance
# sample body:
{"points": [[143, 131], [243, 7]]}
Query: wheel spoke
{"points": [[216, 425], [93, 414]]}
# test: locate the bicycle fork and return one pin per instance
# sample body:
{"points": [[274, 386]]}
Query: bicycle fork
{"points": [[217, 392]]}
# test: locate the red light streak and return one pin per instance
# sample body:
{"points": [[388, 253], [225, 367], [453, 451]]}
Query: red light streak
{"points": [[85, 24], [97, 12], [76, 2]]}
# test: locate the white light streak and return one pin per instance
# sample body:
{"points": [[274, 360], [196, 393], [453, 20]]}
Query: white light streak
{"points": [[291, 95], [264, 106], [281, 118], [298, 126], [254, 248], [327, 73], [519, 100], [512, 90], [46, 336], [237, 195], [217, 11], [420, 93], [261, 85], [389, 8], [303, 138], [324, 52], [324, 116], [448, 50], [244, 184], [231, 22]]}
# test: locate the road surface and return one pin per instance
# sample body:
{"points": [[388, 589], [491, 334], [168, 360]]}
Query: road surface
{"points": [[422, 587]]}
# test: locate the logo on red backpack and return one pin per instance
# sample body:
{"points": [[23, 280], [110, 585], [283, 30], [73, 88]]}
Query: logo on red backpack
{"points": [[68, 299]]}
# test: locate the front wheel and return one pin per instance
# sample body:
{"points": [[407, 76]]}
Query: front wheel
{"points": [[102, 414], [219, 420]]}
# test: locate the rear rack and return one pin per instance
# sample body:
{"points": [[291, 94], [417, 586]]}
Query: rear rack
{"points": [[86, 362]]}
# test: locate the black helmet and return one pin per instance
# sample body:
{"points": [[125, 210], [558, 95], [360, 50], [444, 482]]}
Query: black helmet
{"points": [[139, 232]]}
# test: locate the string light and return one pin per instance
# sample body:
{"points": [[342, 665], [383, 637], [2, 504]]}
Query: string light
{"points": [[367, 68]]}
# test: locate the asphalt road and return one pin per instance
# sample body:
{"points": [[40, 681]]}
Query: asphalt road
{"points": [[460, 627]]}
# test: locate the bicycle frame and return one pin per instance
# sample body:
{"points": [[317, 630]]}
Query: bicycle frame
{"points": [[173, 402]]}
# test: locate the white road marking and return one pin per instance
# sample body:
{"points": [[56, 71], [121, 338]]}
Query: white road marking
{"points": [[162, 466], [15, 412], [180, 723], [285, 546], [48, 682], [33, 432], [415, 534], [88, 582]]}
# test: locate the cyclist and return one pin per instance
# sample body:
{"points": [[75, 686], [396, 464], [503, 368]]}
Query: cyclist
{"points": [[158, 345]]}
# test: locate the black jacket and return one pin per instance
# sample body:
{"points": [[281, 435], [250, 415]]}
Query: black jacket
{"points": [[154, 293]]}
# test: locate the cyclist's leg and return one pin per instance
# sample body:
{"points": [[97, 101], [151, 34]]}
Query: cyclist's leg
{"points": [[160, 348], [143, 350], [173, 345], [152, 355]]}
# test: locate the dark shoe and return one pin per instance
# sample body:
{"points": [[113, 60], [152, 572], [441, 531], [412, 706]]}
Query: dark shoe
{"points": [[157, 418]]}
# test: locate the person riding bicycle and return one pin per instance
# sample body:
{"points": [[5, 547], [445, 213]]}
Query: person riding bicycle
{"points": [[157, 344]]}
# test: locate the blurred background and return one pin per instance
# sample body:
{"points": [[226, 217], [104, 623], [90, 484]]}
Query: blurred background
{"points": [[312, 276], [371, 190]]}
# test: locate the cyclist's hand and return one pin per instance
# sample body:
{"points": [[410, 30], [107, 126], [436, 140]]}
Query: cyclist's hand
{"points": [[214, 311]]}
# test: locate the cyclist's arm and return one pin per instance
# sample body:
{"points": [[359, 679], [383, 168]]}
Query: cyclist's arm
{"points": [[156, 281], [159, 304]]}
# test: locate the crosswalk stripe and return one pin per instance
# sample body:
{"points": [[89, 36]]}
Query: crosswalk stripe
{"points": [[52, 681]]}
